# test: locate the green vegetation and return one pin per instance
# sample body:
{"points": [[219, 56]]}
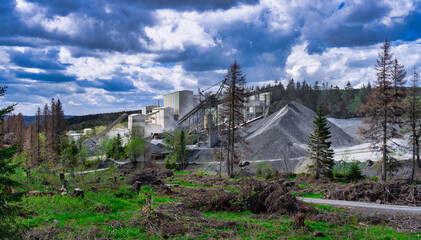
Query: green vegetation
{"points": [[135, 148], [114, 148], [115, 211], [176, 142], [320, 148], [9, 209], [347, 171], [309, 195]]}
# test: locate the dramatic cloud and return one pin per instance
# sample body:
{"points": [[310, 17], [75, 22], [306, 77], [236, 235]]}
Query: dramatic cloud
{"points": [[119, 55]]}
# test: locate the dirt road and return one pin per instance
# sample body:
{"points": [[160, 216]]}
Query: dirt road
{"points": [[372, 206]]}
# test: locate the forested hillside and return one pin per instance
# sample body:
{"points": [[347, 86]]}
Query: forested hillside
{"points": [[78, 123], [336, 102]]}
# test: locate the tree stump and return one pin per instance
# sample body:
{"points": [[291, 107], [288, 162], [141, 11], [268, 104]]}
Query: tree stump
{"points": [[137, 186], [318, 233], [62, 177], [299, 220], [78, 193], [64, 183]]}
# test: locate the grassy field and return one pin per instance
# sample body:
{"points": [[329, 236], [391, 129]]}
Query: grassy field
{"points": [[112, 210]]}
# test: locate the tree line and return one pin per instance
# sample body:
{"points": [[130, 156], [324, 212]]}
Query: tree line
{"points": [[335, 102], [43, 138]]}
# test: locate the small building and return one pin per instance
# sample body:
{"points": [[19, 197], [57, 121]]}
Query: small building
{"points": [[181, 102], [86, 131], [73, 135]]}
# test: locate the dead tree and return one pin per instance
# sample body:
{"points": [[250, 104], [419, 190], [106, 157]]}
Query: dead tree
{"points": [[381, 108], [413, 119], [232, 112]]}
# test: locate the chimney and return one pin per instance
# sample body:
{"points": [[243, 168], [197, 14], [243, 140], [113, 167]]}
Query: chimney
{"points": [[158, 103]]}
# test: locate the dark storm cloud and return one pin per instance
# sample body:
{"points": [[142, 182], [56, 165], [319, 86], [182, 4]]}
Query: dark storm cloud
{"points": [[117, 28], [36, 59], [365, 12], [202, 5], [111, 85], [46, 77], [357, 24]]}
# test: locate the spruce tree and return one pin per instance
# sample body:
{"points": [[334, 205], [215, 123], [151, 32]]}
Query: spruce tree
{"points": [[319, 146], [9, 210], [232, 111], [413, 119], [382, 107]]}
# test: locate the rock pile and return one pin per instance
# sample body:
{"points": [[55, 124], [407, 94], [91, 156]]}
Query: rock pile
{"points": [[285, 134]]}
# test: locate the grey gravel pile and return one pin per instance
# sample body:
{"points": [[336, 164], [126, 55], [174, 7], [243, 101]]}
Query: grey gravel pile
{"points": [[91, 145], [285, 133]]}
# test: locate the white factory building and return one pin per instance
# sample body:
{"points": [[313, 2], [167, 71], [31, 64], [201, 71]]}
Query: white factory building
{"points": [[157, 119]]}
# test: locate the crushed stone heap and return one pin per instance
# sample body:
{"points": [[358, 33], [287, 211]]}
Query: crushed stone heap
{"points": [[286, 133]]}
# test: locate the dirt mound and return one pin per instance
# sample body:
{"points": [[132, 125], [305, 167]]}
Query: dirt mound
{"points": [[251, 195], [396, 192], [287, 130]]}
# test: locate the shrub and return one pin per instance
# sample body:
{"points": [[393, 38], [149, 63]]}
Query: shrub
{"points": [[176, 142], [135, 148], [354, 172], [70, 155], [114, 148]]}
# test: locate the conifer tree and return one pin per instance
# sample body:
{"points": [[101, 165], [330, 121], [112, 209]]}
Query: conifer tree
{"points": [[233, 106], [381, 108], [9, 210], [319, 146], [413, 119]]}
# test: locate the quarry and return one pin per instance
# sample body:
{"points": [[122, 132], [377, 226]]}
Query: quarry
{"points": [[279, 139]]}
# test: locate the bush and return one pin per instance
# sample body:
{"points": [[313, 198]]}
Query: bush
{"points": [[69, 155], [170, 164], [114, 148], [354, 172], [135, 148], [176, 142]]}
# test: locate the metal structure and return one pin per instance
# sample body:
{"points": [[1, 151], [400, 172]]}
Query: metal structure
{"points": [[109, 127], [200, 120]]}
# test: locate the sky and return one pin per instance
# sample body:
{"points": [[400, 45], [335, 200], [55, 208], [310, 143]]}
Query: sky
{"points": [[107, 56]]}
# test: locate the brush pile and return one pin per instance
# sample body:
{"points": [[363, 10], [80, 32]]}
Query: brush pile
{"points": [[252, 195], [395, 192]]}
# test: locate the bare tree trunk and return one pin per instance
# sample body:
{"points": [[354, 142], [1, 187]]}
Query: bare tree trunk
{"points": [[413, 160], [384, 170], [417, 150]]}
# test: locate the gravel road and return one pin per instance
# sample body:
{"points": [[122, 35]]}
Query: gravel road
{"points": [[372, 206]]}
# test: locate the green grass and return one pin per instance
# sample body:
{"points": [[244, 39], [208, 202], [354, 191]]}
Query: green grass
{"points": [[306, 185], [326, 208], [283, 227], [308, 195], [97, 213]]}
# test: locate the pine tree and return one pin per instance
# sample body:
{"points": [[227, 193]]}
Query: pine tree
{"points": [[413, 119], [233, 106], [319, 146], [9, 210], [381, 108]]}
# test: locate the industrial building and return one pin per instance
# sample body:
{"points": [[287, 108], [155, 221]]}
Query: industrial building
{"points": [[181, 102], [157, 119]]}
